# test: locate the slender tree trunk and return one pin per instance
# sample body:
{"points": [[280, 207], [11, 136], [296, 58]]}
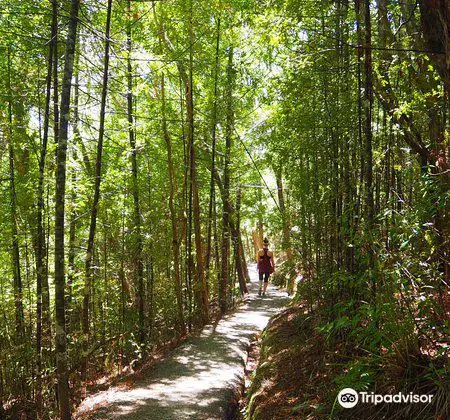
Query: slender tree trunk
{"points": [[55, 6], [201, 290], [360, 105], [368, 106], [73, 213], [61, 342], [95, 203], [216, 242], [240, 263], [174, 222], [46, 312], [41, 266], [2, 386], [189, 248], [223, 289], [46, 316], [225, 268], [187, 194], [348, 148], [122, 287], [233, 232], [243, 262], [71, 252], [18, 303], [213, 158], [135, 190], [149, 260]]}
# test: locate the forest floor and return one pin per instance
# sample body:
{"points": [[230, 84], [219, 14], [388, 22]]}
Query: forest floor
{"points": [[201, 379]]}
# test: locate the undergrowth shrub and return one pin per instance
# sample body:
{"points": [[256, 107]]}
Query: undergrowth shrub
{"points": [[389, 322]]}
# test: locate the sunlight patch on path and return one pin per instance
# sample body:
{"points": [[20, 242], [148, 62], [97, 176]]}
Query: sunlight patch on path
{"points": [[197, 380]]}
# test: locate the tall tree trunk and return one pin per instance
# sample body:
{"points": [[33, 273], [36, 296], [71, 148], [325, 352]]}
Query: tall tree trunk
{"points": [[73, 213], [2, 386], [41, 265], [201, 289], [149, 260], [360, 107], [61, 156], [225, 274], [71, 254], [135, 189], [187, 204], [212, 189], [55, 6], [94, 208], [122, 286], [18, 303], [368, 106], [173, 217]]}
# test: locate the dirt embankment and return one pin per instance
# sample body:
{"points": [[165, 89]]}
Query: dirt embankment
{"points": [[300, 373]]}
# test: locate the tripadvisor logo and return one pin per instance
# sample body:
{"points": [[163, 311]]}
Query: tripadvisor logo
{"points": [[348, 398]]}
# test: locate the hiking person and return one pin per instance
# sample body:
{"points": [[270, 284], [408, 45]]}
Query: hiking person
{"points": [[266, 266]]}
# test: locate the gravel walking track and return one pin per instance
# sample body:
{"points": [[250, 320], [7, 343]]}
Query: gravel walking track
{"points": [[199, 379]]}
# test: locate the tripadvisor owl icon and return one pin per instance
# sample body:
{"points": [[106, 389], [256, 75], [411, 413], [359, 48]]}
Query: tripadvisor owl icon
{"points": [[348, 397]]}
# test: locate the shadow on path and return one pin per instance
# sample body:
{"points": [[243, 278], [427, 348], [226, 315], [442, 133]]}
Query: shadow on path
{"points": [[197, 380]]}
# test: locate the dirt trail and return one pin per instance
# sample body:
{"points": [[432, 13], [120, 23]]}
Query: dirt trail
{"points": [[198, 379]]}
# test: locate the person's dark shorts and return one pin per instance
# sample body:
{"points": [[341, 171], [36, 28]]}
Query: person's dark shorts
{"points": [[265, 275]]}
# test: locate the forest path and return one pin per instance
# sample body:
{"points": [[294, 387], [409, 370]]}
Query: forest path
{"points": [[198, 379]]}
